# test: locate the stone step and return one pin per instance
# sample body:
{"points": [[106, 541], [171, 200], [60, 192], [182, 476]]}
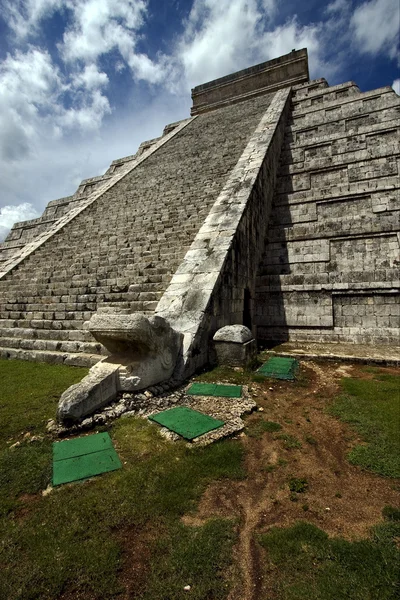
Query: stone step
{"points": [[67, 335], [46, 324], [60, 346], [53, 357]]}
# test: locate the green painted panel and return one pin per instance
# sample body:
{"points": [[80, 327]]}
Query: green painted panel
{"points": [[202, 389], [228, 391], [81, 445], [87, 465], [279, 367], [214, 389], [186, 422]]}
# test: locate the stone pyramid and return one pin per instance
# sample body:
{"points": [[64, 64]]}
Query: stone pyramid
{"points": [[274, 205]]}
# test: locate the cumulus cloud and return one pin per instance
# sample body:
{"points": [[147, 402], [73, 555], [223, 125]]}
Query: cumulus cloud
{"points": [[90, 78], [396, 86], [218, 38], [29, 88], [376, 27], [12, 214], [222, 36], [24, 16], [98, 27]]}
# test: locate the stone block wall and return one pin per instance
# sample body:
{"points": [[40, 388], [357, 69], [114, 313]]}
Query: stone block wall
{"points": [[330, 268]]}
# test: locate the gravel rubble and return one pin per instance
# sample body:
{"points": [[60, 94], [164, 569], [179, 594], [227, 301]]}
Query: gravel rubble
{"points": [[164, 396]]}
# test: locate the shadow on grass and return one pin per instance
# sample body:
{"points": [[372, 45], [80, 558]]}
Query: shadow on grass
{"points": [[303, 563], [67, 544]]}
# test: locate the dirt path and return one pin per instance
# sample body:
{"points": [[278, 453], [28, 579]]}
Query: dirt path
{"points": [[341, 499]]}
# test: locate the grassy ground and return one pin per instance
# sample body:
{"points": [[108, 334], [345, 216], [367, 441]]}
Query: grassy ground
{"points": [[372, 407], [311, 565], [74, 541], [122, 535]]}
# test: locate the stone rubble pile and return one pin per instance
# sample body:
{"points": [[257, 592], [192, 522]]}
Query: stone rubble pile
{"points": [[162, 397]]}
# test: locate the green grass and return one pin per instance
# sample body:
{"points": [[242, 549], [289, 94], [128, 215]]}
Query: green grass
{"points": [[258, 427], [372, 407], [192, 556], [298, 485], [70, 540], [29, 394], [28, 398], [230, 375], [303, 563]]}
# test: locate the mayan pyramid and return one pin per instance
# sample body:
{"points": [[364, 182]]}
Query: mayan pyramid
{"points": [[272, 205]]}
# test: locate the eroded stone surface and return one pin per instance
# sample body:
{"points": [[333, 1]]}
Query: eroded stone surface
{"points": [[145, 353], [95, 390], [238, 334]]}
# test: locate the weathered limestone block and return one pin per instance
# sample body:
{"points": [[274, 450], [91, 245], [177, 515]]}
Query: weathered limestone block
{"points": [[95, 390], [146, 347], [234, 345], [144, 353]]}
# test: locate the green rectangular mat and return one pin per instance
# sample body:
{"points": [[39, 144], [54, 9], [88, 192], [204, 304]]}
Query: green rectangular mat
{"points": [[215, 389], [87, 465], [186, 422], [81, 445], [83, 457], [279, 367]]}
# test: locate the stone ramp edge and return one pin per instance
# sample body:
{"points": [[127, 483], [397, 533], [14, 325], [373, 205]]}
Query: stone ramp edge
{"points": [[190, 303]]}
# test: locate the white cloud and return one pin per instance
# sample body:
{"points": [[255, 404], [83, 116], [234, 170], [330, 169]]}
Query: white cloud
{"points": [[88, 116], [23, 16], [220, 38], [376, 27], [12, 214], [99, 26], [223, 36], [29, 87], [396, 86], [337, 6], [90, 78]]}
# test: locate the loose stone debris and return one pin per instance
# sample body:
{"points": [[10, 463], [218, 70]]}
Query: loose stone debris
{"points": [[157, 399]]}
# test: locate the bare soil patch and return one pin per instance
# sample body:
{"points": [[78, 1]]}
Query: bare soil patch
{"points": [[136, 546], [340, 498]]}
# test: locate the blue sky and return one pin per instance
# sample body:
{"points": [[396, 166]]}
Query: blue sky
{"points": [[83, 82]]}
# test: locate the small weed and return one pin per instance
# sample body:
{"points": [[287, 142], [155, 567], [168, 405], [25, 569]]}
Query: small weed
{"points": [[390, 513], [257, 428], [269, 468], [289, 441], [305, 507], [272, 426], [311, 440], [282, 462], [302, 378], [230, 375], [298, 485], [293, 497], [338, 495]]}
